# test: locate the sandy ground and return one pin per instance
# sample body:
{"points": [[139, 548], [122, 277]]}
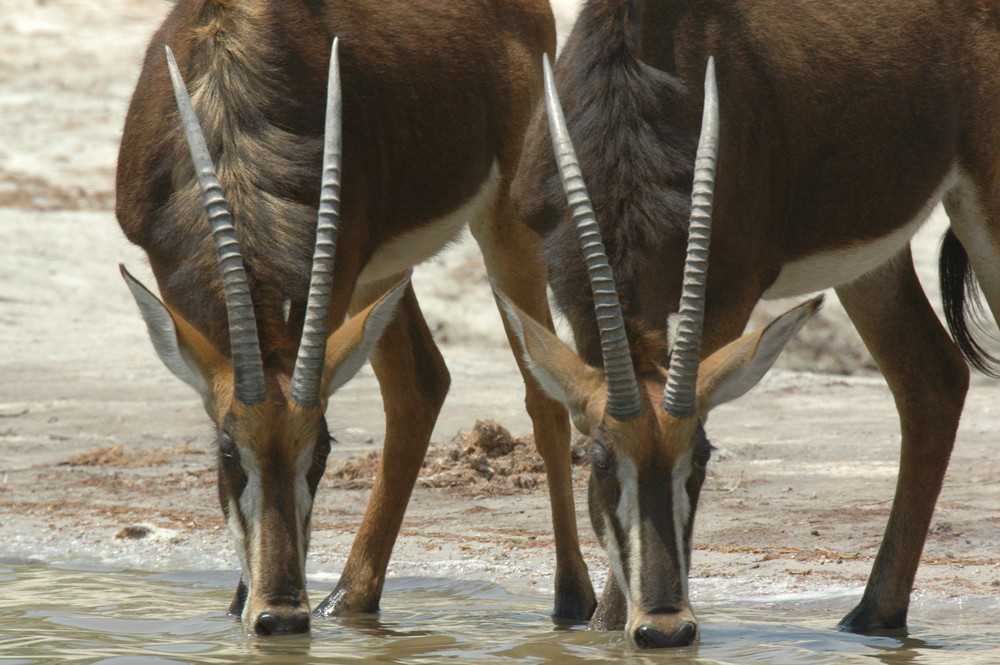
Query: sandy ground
{"points": [[96, 436]]}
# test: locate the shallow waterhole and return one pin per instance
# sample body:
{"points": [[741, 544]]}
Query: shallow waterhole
{"points": [[88, 614]]}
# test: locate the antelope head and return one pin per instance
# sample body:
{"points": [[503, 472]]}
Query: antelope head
{"points": [[272, 434], [648, 446]]}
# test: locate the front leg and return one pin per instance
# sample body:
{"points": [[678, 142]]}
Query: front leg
{"points": [[239, 600], [513, 257], [929, 379], [414, 381], [612, 611]]}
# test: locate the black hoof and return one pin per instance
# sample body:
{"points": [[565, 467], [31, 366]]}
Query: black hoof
{"points": [[336, 604], [574, 608], [863, 620]]}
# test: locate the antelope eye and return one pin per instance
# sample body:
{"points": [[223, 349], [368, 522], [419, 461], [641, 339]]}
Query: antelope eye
{"points": [[702, 454], [600, 459], [699, 459], [227, 448]]}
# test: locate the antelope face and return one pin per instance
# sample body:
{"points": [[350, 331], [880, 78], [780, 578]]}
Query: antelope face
{"points": [[647, 470], [271, 452], [646, 476], [270, 461]]}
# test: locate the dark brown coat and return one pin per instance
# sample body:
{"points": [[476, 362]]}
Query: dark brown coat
{"points": [[842, 124]]}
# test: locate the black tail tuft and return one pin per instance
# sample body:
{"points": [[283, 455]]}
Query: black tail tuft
{"points": [[960, 299]]}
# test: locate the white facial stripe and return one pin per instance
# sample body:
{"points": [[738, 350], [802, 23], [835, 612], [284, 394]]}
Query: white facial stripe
{"points": [[250, 502], [615, 559], [239, 543], [250, 506], [252, 499], [236, 529], [303, 500], [682, 515], [628, 518]]}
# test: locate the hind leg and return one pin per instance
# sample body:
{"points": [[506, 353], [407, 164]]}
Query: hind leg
{"points": [[928, 378], [413, 381], [513, 258]]}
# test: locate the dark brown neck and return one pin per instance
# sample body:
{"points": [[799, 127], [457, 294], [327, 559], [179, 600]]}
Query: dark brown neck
{"points": [[657, 22]]}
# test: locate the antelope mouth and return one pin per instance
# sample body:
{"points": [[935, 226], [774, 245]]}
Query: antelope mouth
{"points": [[664, 629], [281, 621]]}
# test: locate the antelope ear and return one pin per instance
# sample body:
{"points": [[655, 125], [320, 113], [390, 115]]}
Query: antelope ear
{"points": [[561, 373], [184, 350], [740, 365], [348, 348]]}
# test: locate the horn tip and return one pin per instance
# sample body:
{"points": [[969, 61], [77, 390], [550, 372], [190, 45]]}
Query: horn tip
{"points": [[711, 91], [171, 61], [335, 49]]}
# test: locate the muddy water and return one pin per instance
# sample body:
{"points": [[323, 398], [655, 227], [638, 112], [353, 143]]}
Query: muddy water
{"points": [[63, 614]]}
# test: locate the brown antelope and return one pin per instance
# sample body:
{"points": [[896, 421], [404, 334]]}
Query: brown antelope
{"points": [[648, 448], [842, 125], [435, 99]]}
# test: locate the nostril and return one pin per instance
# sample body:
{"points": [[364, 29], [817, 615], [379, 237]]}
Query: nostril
{"points": [[686, 634], [270, 623], [648, 636]]}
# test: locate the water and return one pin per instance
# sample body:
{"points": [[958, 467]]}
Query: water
{"points": [[86, 614]]}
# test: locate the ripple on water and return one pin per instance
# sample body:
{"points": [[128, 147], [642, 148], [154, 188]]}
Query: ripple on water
{"points": [[86, 614]]}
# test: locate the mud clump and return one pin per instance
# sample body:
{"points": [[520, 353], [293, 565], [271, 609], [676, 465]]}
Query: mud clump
{"points": [[134, 532], [488, 454], [488, 459], [354, 473], [115, 455], [147, 531]]}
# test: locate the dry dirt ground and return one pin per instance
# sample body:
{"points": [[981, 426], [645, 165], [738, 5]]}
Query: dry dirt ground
{"points": [[97, 439]]}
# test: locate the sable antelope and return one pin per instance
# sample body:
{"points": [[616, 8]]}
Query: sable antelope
{"points": [[649, 447], [842, 125], [435, 99]]}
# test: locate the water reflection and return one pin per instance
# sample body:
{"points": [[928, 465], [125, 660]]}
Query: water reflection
{"points": [[53, 614]]}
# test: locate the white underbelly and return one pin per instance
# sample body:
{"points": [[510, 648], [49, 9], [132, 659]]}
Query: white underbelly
{"points": [[408, 249], [840, 266]]}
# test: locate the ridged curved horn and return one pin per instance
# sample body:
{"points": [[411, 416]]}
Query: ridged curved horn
{"points": [[248, 369], [623, 391], [308, 373], [682, 378]]}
